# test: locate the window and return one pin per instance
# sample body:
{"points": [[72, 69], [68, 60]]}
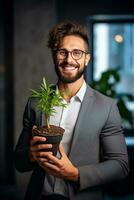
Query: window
{"points": [[112, 46]]}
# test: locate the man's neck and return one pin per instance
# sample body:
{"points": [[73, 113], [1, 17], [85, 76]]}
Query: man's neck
{"points": [[68, 90]]}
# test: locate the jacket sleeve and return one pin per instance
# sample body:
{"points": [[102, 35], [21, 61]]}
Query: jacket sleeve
{"points": [[21, 158], [114, 164]]}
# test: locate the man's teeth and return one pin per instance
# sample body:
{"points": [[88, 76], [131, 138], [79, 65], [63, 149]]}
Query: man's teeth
{"points": [[69, 68]]}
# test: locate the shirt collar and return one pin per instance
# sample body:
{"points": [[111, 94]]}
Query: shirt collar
{"points": [[80, 94]]}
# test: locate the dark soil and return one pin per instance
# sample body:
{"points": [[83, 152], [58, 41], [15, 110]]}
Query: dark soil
{"points": [[52, 131]]}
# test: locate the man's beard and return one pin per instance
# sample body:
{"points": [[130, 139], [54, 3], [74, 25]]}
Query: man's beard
{"points": [[65, 79]]}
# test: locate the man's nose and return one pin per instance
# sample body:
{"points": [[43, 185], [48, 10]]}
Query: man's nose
{"points": [[69, 57]]}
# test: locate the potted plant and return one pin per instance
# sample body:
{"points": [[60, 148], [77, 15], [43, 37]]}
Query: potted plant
{"points": [[48, 98]]}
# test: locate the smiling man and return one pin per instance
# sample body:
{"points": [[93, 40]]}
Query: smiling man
{"points": [[93, 150]]}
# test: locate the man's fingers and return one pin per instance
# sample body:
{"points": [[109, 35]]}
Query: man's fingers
{"points": [[54, 160], [41, 155], [41, 147], [50, 165], [38, 139], [33, 128]]}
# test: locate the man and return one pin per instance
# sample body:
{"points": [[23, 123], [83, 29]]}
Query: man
{"points": [[92, 151]]}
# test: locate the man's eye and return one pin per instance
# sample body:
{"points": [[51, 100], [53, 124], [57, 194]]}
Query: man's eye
{"points": [[76, 53], [62, 52]]}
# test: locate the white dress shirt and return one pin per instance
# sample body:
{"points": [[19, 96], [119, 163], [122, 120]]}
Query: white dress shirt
{"points": [[65, 118]]}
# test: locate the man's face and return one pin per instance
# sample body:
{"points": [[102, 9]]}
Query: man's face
{"points": [[67, 66]]}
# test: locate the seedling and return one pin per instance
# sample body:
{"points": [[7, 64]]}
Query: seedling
{"points": [[49, 98]]}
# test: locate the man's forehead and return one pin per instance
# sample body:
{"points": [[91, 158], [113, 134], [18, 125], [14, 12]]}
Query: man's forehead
{"points": [[72, 41]]}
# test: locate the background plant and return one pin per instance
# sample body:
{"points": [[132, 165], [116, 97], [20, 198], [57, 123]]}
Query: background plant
{"points": [[107, 85]]}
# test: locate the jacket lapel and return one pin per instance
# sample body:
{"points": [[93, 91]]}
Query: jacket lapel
{"points": [[82, 118]]}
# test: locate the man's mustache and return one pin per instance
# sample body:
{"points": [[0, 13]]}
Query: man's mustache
{"points": [[69, 65]]}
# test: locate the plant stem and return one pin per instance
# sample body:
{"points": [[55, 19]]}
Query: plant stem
{"points": [[47, 121]]}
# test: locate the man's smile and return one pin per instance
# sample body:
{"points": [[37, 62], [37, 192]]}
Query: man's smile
{"points": [[69, 68]]}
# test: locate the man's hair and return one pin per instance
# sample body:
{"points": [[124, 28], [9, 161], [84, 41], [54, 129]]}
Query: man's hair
{"points": [[65, 29]]}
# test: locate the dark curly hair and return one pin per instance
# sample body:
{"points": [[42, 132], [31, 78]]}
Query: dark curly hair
{"points": [[64, 29]]}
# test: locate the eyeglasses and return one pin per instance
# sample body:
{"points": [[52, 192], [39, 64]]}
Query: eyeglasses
{"points": [[76, 54]]}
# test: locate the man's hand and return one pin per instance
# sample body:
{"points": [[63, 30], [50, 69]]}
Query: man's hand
{"points": [[36, 150], [62, 168]]}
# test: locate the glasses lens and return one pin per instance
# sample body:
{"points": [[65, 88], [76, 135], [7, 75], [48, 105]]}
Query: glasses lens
{"points": [[61, 53], [77, 54]]}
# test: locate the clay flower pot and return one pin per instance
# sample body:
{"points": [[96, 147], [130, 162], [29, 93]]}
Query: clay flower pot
{"points": [[53, 136]]}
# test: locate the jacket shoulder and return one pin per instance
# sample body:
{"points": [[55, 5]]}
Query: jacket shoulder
{"points": [[101, 98], [32, 102]]}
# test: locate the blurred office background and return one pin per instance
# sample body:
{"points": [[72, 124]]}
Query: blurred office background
{"points": [[24, 59]]}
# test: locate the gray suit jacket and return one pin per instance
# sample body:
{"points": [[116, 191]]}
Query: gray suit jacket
{"points": [[98, 148]]}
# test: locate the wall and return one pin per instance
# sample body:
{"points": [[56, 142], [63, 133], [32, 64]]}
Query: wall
{"points": [[32, 60]]}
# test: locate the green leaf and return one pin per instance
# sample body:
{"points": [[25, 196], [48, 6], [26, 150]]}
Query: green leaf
{"points": [[48, 99], [107, 85]]}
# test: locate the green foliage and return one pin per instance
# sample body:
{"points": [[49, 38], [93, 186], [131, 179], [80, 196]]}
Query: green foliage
{"points": [[107, 85], [48, 99]]}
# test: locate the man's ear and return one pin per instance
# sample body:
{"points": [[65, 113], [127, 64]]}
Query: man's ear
{"points": [[87, 59]]}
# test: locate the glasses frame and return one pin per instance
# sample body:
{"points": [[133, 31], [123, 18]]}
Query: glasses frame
{"points": [[71, 52]]}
